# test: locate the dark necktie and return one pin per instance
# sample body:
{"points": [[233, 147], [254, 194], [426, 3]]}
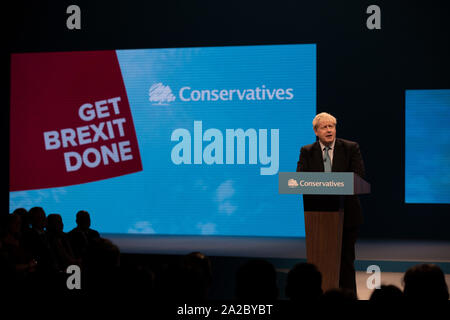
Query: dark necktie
{"points": [[327, 160]]}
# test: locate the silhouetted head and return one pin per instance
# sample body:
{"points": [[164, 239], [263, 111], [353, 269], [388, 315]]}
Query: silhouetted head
{"points": [[200, 261], [37, 216], [304, 282], [257, 280], [13, 224], [387, 293], [197, 275], [425, 282], [54, 222], [25, 217], [83, 220]]}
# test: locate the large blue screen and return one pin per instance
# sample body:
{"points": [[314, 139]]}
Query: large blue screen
{"points": [[427, 146], [214, 127]]}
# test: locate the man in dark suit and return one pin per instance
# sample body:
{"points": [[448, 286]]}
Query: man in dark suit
{"points": [[82, 237], [331, 154]]}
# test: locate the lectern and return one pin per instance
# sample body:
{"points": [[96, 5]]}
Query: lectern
{"points": [[323, 195]]}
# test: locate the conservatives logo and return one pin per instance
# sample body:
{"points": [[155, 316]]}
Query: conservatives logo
{"points": [[162, 95]]}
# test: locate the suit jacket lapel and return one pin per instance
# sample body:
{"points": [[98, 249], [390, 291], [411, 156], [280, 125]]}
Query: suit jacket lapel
{"points": [[337, 157], [317, 154]]}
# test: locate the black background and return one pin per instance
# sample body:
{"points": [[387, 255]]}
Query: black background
{"points": [[362, 74]]}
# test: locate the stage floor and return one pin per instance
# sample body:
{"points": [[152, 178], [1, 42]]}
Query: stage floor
{"points": [[288, 248]]}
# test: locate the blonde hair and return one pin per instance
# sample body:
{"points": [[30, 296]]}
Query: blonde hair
{"points": [[321, 117]]}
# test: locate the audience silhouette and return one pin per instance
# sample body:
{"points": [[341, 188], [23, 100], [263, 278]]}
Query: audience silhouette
{"points": [[35, 253], [24, 219], [339, 295], [16, 264], [304, 283], [82, 236], [256, 280], [186, 279], [102, 267], [36, 242], [387, 293], [59, 242], [425, 282], [197, 275]]}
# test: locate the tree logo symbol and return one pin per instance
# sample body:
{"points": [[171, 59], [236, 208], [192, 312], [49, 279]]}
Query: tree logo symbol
{"points": [[160, 94], [292, 183]]}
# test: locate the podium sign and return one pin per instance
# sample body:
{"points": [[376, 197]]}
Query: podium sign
{"points": [[321, 183], [323, 219]]}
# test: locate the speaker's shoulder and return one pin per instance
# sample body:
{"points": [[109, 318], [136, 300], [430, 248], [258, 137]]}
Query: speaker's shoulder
{"points": [[311, 146], [346, 143]]}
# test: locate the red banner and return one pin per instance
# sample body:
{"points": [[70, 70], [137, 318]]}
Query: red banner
{"points": [[71, 112]]}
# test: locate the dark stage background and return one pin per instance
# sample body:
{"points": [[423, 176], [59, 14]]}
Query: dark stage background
{"points": [[362, 74]]}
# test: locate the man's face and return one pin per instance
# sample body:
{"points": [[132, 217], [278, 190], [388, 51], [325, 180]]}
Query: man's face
{"points": [[326, 132]]}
